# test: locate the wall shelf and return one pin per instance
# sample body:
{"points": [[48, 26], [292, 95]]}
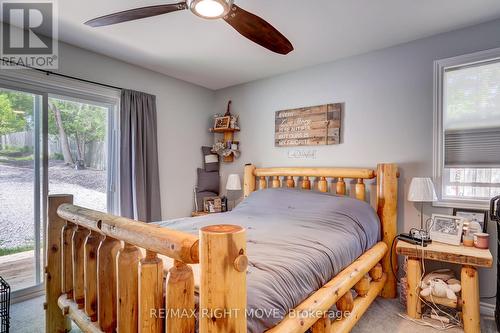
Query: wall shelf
{"points": [[224, 130], [228, 137]]}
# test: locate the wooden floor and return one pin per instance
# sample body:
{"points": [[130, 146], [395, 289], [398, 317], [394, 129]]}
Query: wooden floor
{"points": [[18, 269]]}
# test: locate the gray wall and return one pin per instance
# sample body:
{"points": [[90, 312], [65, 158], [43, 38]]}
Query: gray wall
{"points": [[183, 112], [388, 98]]}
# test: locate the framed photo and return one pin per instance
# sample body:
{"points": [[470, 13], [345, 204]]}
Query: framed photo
{"points": [[472, 215], [222, 122], [212, 205], [446, 229]]}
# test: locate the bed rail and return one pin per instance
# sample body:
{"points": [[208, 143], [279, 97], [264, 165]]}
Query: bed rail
{"points": [[104, 273], [338, 291], [317, 172], [171, 243]]}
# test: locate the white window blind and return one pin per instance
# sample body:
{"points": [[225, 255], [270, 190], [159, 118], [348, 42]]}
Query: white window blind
{"points": [[471, 116]]}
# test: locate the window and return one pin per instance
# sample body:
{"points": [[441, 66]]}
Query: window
{"points": [[467, 128]]}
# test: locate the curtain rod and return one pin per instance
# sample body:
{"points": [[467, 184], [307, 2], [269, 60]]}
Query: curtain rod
{"points": [[62, 75]]}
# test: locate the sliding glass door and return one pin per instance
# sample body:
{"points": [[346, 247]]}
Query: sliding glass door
{"points": [[79, 151], [21, 187], [52, 141]]}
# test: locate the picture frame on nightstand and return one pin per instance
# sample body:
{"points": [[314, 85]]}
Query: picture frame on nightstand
{"points": [[212, 205], [472, 215], [446, 229]]}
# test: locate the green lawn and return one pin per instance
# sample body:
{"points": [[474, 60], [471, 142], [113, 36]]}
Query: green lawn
{"points": [[12, 250], [17, 154]]}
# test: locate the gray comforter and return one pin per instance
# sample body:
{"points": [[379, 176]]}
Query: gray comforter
{"points": [[296, 242]]}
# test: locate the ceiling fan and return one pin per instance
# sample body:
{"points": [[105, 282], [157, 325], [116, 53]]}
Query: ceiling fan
{"points": [[247, 24]]}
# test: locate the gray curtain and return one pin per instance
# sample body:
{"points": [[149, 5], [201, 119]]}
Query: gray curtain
{"points": [[139, 176]]}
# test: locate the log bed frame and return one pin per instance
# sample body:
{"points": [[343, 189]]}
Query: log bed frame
{"points": [[106, 273]]}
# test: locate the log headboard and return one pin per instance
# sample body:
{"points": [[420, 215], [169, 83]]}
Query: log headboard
{"points": [[386, 196]]}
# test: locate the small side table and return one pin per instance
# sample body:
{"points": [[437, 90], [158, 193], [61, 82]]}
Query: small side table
{"points": [[196, 214], [469, 257]]}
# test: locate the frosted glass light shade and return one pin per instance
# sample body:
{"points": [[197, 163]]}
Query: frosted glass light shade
{"points": [[422, 190], [210, 9], [233, 183]]}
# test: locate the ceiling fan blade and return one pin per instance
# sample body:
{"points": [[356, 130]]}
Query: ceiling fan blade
{"points": [[136, 14], [258, 31]]}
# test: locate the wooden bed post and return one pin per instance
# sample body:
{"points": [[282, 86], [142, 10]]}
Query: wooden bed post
{"points": [[322, 184], [223, 292], [360, 190], [79, 237], [150, 293], [306, 183], [127, 288], [106, 284], [341, 186], [90, 273], [54, 319], [67, 259], [249, 180], [180, 297], [387, 202]]}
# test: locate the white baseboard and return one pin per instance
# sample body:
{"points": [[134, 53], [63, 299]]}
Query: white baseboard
{"points": [[27, 294], [487, 309]]}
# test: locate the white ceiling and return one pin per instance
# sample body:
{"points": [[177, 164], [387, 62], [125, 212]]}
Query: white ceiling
{"points": [[212, 54]]}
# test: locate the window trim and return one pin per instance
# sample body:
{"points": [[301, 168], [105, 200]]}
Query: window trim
{"points": [[438, 134]]}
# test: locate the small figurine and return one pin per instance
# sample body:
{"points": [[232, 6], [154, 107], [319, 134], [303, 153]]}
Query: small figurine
{"points": [[228, 112], [234, 122]]}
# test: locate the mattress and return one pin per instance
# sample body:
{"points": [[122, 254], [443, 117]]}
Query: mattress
{"points": [[296, 242]]}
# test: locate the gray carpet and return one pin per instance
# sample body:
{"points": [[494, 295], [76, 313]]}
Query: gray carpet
{"points": [[382, 316]]}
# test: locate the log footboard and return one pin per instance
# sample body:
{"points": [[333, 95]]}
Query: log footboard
{"points": [[98, 276]]}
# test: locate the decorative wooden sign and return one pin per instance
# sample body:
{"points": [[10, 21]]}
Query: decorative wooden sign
{"points": [[311, 126]]}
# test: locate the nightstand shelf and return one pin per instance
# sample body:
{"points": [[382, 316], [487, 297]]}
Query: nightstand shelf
{"points": [[469, 257]]}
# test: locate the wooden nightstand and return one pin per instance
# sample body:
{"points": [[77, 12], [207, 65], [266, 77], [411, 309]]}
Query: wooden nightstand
{"points": [[468, 257], [196, 214]]}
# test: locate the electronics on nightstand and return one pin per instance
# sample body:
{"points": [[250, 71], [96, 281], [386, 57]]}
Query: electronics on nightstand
{"points": [[414, 240], [420, 234]]}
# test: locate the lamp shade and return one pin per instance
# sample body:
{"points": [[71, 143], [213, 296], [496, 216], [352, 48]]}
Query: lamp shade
{"points": [[422, 190], [233, 183]]}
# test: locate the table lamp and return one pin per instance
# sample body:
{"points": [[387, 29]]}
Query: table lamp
{"points": [[233, 184], [422, 190]]}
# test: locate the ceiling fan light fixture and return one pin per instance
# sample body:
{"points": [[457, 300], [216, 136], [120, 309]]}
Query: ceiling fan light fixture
{"points": [[210, 9]]}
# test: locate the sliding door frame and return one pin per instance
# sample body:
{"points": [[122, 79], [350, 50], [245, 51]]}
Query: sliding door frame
{"points": [[40, 186], [37, 83], [112, 123]]}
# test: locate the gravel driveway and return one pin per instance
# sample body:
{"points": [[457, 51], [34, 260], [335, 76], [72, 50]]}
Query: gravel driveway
{"points": [[16, 196]]}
